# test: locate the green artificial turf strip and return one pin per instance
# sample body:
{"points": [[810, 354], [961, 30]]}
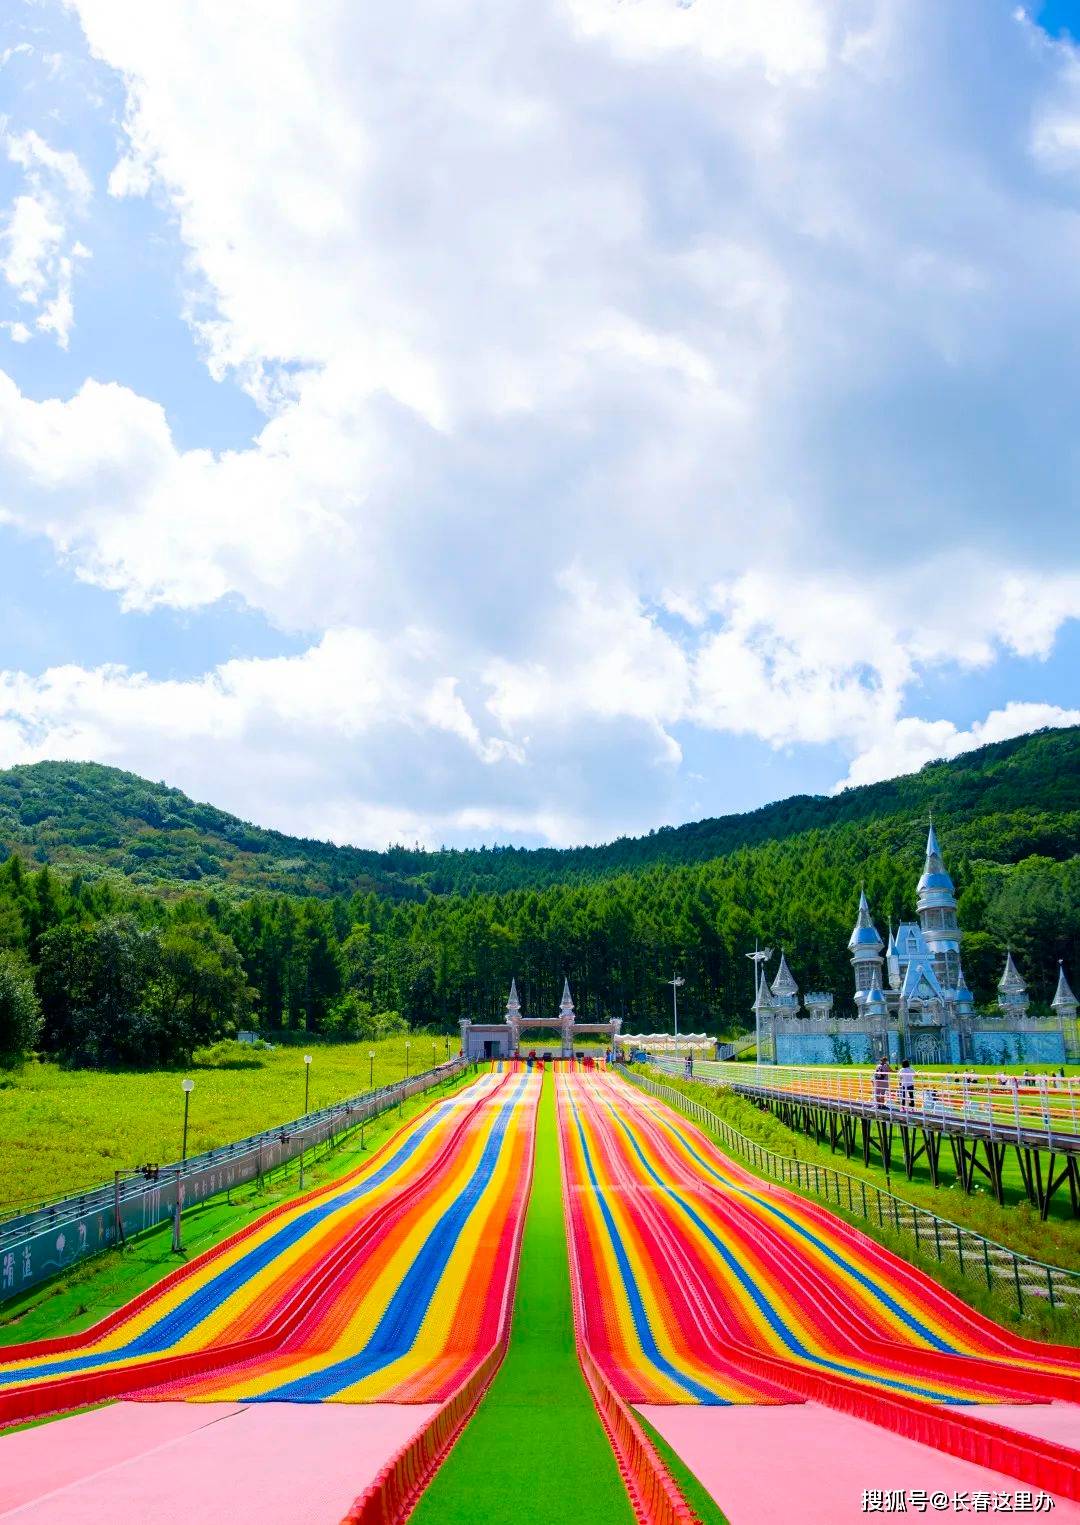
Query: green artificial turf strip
{"points": [[79, 1297], [694, 1492], [496, 1473]]}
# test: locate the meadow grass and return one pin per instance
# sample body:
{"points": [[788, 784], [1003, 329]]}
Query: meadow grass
{"points": [[65, 1130], [79, 1297], [538, 1397]]}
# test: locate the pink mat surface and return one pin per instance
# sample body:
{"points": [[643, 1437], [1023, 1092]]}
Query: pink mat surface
{"points": [[772, 1466], [39, 1460], [1050, 1421], [255, 1464]]}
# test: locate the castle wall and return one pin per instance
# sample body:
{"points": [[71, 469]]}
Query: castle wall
{"points": [[990, 1046], [999, 1047]]}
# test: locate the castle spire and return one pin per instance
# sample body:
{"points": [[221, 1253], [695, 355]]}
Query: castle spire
{"points": [[1011, 979], [784, 983], [1012, 989], [864, 933], [1064, 1001], [936, 905]]}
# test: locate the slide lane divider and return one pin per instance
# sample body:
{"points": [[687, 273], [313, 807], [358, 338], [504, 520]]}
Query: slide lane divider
{"points": [[393, 1494], [654, 1495], [159, 1376]]}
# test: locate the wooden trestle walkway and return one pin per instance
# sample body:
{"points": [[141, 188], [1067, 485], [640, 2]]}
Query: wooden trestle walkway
{"points": [[1047, 1159], [978, 1118]]}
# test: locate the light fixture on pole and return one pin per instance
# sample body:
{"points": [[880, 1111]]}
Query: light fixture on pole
{"points": [[371, 1069], [675, 983], [408, 1046], [188, 1086], [759, 956], [303, 1135]]}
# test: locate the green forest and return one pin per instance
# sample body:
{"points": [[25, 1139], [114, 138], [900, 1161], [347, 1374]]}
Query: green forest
{"points": [[105, 963]]}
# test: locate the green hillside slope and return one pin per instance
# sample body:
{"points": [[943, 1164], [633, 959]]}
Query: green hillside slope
{"points": [[93, 819], [346, 943]]}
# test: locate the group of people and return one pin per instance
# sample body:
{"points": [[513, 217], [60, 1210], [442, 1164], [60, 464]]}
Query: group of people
{"points": [[906, 1081]]}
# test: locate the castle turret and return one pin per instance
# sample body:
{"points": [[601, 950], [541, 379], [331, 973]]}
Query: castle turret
{"points": [[865, 946], [513, 1005], [874, 1004], [1012, 990], [892, 961], [936, 905], [785, 992], [965, 1001], [1065, 1008], [1064, 1002]]}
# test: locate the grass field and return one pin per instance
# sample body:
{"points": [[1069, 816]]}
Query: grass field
{"points": [[80, 1297], [535, 1449], [66, 1130]]}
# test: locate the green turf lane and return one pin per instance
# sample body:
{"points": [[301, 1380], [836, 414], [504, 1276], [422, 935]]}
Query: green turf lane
{"points": [[535, 1449]]}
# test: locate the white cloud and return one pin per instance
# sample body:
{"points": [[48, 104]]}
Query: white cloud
{"points": [[38, 255], [619, 353]]}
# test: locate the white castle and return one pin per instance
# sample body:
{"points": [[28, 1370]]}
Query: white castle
{"points": [[911, 998]]}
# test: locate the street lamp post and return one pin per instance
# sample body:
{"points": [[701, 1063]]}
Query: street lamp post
{"points": [[675, 982], [408, 1046], [303, 1135], [371, 1069], [188, 1086], [759, 956]]}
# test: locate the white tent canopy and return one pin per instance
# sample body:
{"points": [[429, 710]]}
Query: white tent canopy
{"points": [[658, 1043]]}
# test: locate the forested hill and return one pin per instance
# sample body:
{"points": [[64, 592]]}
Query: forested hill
{"points": [[255, 928], [1024, 793]]}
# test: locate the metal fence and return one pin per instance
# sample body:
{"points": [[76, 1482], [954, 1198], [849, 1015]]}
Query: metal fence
{"points": [[1018, 1280], [36, 1245], [1042, 1111]]}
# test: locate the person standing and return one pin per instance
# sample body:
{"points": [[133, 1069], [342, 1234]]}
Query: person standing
{"points": [[907, 1084], [881, 1081]]}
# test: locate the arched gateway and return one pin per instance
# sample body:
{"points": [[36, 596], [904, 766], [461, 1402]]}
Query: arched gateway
{"points": [[501, 1040]]}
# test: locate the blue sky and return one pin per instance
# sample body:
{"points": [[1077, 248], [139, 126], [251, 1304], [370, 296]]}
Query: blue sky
{"points": [[540, 423]]}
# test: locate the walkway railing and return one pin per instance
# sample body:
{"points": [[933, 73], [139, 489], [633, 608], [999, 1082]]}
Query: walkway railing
{"points": [[734, 1049], [1042, 1112], [1018, 1280], [37, 1244]]}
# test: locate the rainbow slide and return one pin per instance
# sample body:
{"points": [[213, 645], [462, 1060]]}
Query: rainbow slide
{"points": [[701, 1285], [391, 1285]]}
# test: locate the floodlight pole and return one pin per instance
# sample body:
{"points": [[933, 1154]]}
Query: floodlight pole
{"points": [[675, 982], [188, 1086], [759, 957]]}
